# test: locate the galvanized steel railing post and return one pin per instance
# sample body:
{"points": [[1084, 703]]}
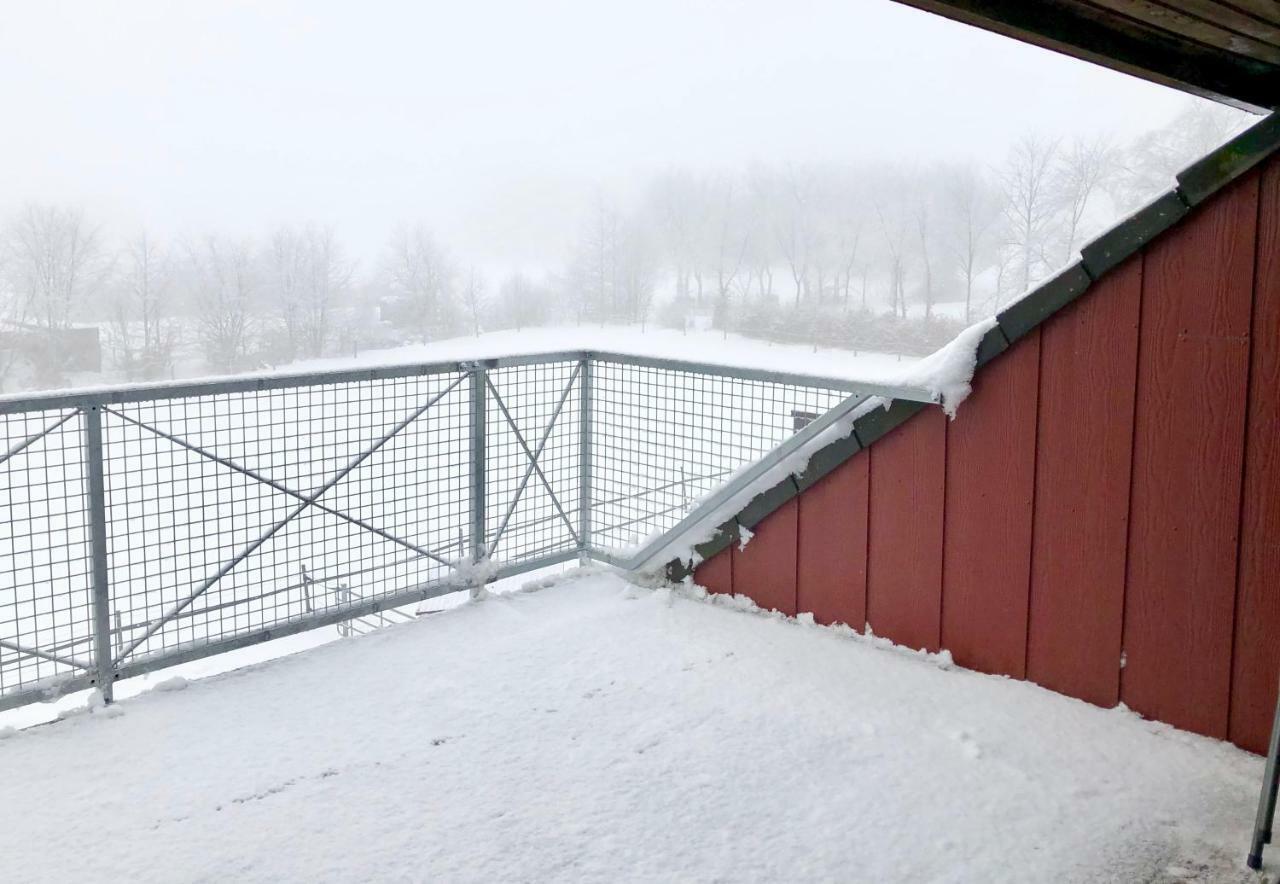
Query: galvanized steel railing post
{"points": [[584, 446], [478, 429], [104, 659]]}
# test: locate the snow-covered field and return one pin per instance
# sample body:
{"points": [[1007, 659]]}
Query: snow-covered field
{"points": [[593, 731], [697, 345]]}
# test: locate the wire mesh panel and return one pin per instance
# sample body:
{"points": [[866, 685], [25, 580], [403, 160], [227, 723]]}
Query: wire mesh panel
{"points": [[46, 619], [238, 512], [532, 460], [145, 527], [662, 438]]}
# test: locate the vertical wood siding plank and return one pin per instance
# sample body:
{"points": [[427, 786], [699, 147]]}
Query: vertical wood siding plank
{"points": [[1193, 362], [905, 531], [765, 571], [1256, 660], [990, 488], [716, 573], [831, 573], [1088, 359]]}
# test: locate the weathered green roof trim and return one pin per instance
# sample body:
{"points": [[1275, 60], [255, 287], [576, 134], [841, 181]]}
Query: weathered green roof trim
{"points": [[1021, 317], [1127, 238], [993, 343], [1195, 184], [827, 459], [1205, 177], [726, 535], [879, 421], [766, 502]]}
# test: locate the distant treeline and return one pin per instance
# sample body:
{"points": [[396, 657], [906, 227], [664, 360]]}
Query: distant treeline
{"points": [[843, 256]]}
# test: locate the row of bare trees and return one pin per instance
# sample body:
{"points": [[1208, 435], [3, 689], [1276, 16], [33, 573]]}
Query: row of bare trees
{"points": [[233, 301], [790, 250], [876, 237]]}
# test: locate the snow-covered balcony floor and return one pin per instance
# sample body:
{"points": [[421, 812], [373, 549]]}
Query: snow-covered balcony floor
{"points": [[592, 731]]}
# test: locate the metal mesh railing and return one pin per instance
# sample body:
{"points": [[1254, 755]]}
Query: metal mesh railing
{"points": [[663, 437], [144, 527]]}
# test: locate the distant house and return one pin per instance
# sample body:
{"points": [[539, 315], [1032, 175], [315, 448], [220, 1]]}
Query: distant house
{"points": [[33, 356]]}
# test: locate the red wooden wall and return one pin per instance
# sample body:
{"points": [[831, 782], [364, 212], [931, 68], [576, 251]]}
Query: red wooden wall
{"points": [[1103, 515]]}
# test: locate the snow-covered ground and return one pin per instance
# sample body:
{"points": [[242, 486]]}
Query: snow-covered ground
{"points": [[593, 731]]}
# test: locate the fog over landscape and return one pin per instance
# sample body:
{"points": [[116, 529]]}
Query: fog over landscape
{"points": [[238, 186]]}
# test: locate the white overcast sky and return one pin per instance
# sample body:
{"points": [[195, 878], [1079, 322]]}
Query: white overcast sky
{"points": [[494, 121]]}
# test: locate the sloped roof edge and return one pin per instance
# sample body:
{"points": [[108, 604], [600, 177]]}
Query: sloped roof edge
{"points": [[1195, 184]]}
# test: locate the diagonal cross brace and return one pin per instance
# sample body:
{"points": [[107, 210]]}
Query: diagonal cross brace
{"points": [[31, 440], [278, 486], [45, 655], [533, 458], [308, 501]]}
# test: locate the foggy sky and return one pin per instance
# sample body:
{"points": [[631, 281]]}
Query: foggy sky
{"points": [[495, 122]]}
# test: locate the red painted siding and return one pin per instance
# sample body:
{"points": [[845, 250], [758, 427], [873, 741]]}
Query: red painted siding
{"points": [[716, 574], [1256, 660], [1193, 364], [1088, 358], [832, 565], [765, 570], [990, 482], [1113, 485], [904, 531]]}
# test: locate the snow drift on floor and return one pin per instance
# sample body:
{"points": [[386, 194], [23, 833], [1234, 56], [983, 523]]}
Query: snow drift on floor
{"points": [[594, 731]]}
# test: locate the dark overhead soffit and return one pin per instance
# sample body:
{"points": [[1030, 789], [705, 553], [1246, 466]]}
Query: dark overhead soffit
{"points": [[1108, 250], [1229, 52]]}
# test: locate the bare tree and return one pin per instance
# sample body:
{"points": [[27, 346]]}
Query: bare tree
{"points": [[143, 330], [284, 274], [420, 275], [674, 204], [847, 239], [308, 274], [1083, 167], [55, 261], [728, 245], [593, 278], [973, 208], [326, 281], [926, 263], [223, 287], [521, 303], [474, 299], [893, 229], [1028, 205], [1147, 167]]}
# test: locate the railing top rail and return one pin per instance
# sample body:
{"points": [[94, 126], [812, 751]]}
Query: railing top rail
{"points": [[851, 385], [92, 396], [253, 383]]}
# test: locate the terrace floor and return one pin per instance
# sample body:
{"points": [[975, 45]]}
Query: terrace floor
{"points": [[593, 731]]}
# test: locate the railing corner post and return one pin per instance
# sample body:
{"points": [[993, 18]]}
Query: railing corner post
{"points": [[584, 446], [479, 405], [103, 651]]}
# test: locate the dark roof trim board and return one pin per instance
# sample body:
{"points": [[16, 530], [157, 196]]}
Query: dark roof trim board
{"points": [[1207, 176], [1107, 251], [1140, 39]]}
